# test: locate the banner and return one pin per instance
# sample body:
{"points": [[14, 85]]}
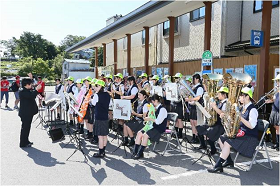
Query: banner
{"points": [[122, 109], [171, 91], [252, 71]]}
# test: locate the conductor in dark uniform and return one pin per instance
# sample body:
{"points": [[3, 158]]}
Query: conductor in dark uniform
{"points": [[28, 108]]}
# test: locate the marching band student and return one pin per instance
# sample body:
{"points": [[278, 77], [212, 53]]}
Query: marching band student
{"points": [[247, 137], [136, 123], [88, 120], [145, 83], [167, 103], [159, 126], [71, 88], [81, 88], [198, 90], [132, 96], [59, 91], [179, 108], [154, 82], [101, 101], [109, 88], [118, 91], [214, 132], [274, 115]]}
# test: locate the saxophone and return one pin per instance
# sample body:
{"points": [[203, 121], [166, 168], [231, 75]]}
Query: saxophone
{"points": [[211, 81], [231, 120], [132, 107]]}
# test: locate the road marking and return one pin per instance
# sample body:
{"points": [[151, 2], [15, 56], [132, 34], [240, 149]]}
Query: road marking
{"points": [[190, 173]]}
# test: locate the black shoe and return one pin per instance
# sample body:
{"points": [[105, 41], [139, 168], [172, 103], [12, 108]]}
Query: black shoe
{"points": [[275, 146], [133, 155], [93, 141], [88, 137], [217, 169], [213, 152], [138, 156], [194, 140], [124, 143], [98, 155], [131, 143], [31, 143], [228, 164], [81, 131]]}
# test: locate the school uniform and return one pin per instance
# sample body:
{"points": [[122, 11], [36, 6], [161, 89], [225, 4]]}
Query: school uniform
{"points": [[274, 115], [247, 143], [198, 90], [101, 102]]}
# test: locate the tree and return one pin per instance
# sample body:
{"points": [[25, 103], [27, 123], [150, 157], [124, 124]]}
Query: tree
{"points": [[10, 45], [100, 57], [57, 64], [67, 42], [33, 45]]}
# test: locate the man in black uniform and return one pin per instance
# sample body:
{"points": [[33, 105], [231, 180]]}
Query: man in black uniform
{"points": [[28, 108]]}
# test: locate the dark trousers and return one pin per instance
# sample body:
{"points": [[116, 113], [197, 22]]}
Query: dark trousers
{"points": [[25, 130], [6, 94]]}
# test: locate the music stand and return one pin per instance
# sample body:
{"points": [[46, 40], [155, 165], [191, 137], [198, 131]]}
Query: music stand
{"points": [[185, 139], [42, 121]]}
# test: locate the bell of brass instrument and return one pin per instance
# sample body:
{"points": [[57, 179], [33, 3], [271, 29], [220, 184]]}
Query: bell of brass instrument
{"points": [[267, 96], [211, 83], [231, 120]]}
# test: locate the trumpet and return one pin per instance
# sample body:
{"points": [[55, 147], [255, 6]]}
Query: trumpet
{"points": [[267, 96]]}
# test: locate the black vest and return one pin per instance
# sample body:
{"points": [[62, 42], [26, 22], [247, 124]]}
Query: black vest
{"points": [[129, 93], [117, 96], [57, 88], [146, 82], [250, 132], [201, 99], [140, 109], [218, 122], [70, 88], [275, 106], [102, 106], [161, 127]]}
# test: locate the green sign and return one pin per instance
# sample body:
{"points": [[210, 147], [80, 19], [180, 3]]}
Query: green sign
{"points": [[207, 58]]}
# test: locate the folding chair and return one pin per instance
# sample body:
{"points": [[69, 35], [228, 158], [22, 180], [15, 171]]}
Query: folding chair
{"points": [[172, 118], [262, 143]]}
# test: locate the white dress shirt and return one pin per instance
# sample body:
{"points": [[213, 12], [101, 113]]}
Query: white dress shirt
{"points": [[161, 116], [253, 115]]}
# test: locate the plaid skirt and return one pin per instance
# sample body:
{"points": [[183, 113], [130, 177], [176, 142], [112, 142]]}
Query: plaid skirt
{"points": [[274, 118], [213, 132], [245, 145], [135, 125], [178, 108], [101, 127], [90, 114]]}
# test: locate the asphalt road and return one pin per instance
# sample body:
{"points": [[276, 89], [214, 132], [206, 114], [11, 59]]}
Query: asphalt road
{"points": [[45, 162]]}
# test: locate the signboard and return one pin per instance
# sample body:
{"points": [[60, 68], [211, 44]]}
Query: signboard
{"points": [[122, 109], [218, 71], [252, 71], [256, 38], [171, 91], [206, 62], [157, 90]]}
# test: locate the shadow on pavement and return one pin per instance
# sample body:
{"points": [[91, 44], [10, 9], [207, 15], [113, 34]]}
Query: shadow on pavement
{"points": [[41, 158]]}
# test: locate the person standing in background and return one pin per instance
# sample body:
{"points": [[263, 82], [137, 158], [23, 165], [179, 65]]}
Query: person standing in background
{"points": [[41, 91], [17, 92], [5, 90]]}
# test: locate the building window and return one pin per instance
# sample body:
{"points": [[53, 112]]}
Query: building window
{"points": [[125, 43], [144, 37], [166, 26], [197, 14], [258, 5]]}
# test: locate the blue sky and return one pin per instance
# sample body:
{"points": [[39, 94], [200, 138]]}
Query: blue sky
{"points": [[55, 19]]}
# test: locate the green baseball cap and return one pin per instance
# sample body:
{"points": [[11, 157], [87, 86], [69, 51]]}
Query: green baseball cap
{"points": [[88, 78], [100, 82], [178, 75], [109, 76], [93, 81], [119, 75], [189, 78], [155, 77], [80, 81], [223, 89], [70, 78], [247, 90], [143, 75]]}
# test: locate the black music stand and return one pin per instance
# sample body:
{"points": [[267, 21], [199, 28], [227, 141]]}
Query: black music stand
{"points": [[78, 146], [185, 139]]}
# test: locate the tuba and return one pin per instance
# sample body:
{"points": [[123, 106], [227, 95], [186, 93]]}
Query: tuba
{"points": [[211, 82], [231, 120]]}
